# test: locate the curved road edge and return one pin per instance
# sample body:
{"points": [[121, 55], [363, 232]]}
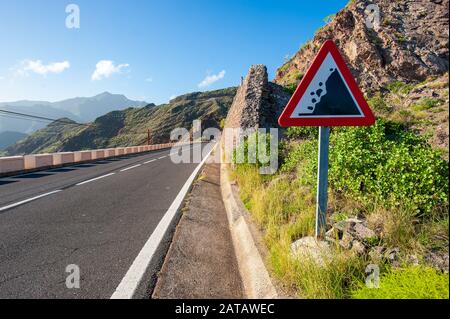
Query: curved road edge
{"points": [[135, 283]]}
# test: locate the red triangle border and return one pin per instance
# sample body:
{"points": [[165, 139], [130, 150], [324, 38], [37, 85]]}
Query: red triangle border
{"points": [[328, 47]]}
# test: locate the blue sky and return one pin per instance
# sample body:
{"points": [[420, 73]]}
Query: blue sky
{"points": [[151, 50]]}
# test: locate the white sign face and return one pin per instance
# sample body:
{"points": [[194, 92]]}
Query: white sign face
{"points": [[327, 95]]}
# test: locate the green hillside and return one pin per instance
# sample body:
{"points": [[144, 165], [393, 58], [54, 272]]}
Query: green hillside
{"points": [[129, 127]]}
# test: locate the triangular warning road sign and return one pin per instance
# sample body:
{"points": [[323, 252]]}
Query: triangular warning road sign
{"points": [[327, 95]]}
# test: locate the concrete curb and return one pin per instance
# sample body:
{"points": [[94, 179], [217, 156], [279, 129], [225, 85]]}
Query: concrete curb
{"points": [[255, 277]]}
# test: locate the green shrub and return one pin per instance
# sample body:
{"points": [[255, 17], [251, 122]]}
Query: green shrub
{"points": [[400, 87], [390, 164], [426, 103], [284, 67], [379, 105], [292, 78], [383, 162], [303, 159], [413, 282], [302, 132], [297, 75], [244, 148], [290, 88]]}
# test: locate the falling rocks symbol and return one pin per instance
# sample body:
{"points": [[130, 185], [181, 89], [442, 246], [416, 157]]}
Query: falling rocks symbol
{"points": [[332, 98]]}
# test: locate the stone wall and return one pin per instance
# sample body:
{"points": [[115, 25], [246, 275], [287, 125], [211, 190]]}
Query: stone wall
{"points": [[258, 103]]}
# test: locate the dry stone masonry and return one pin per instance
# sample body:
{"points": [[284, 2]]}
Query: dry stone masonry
{"points": [[258, 103]]}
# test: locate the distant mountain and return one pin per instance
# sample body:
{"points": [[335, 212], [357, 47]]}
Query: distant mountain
{"points": [[88, 109], [129, 127], [80, 109], [51, 137], [27, 126], [9, 138]]}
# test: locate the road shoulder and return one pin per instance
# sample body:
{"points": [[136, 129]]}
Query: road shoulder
{"points": [[201, 261]]}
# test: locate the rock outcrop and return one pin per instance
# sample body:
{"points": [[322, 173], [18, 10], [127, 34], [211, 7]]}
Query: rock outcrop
{"points": [[258, 103], [382, 41], [351, 234]]}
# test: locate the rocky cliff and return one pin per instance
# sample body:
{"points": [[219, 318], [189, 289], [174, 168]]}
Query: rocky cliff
{"points": [[383, 41], [398, 52]]}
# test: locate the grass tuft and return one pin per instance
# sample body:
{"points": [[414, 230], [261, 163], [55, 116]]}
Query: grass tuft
{"points": [[413, 282]]}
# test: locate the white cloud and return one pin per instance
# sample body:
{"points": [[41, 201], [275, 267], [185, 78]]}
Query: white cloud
{"points": [[36, 66], [210, 79], [105, 68], [149, 79]]}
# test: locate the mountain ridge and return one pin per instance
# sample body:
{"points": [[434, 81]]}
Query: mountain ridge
{"points": [[129, 127], [80, 109]]}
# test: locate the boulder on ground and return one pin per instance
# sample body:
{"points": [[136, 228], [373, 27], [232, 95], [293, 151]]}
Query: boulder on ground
{"points": [[309, 247]]}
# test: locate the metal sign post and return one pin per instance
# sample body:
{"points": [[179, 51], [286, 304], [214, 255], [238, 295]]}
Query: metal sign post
{"points": [[322, 181], [327, 96]]}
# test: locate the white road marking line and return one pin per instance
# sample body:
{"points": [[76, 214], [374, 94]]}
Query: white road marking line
{"points": [[134, 275], [28, 200], [94, 179], [162, 157], [131, 167], [150, 161]]}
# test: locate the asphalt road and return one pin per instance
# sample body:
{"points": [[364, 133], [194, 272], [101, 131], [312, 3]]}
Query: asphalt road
{"points": [[97, 216]]}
